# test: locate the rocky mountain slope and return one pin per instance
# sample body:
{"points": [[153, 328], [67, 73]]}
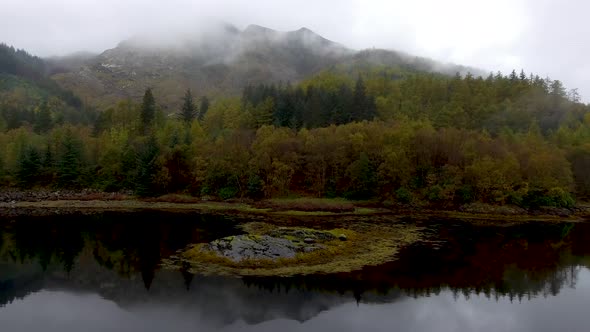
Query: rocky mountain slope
{"points": [[220, 61]]}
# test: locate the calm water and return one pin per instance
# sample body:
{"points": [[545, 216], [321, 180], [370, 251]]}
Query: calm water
{"points": [[102, 273]]}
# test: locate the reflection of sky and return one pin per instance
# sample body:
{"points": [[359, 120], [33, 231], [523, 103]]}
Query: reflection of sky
{"points": [[56, 311]]}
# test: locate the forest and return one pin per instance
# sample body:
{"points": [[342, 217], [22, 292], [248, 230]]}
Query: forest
{"points": [[374, 133]]}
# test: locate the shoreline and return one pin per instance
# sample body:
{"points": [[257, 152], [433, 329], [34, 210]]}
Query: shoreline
{"points": [[372, 236], [77, 206]]}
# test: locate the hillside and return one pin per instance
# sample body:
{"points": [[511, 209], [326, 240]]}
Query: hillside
{"points": [[220, 62], [25, 85], [371, 124]]}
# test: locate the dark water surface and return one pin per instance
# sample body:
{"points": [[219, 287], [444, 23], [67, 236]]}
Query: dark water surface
{"points": [[101, 273]]}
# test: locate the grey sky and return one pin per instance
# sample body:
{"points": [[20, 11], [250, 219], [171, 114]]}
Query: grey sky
{"points": [[541, 36]]}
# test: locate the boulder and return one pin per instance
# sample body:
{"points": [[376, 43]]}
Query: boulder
{"points": [[283, 242], [241, 247]]}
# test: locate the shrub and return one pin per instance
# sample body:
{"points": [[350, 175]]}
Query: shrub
{"points": [[561, 198], [435, 193], [465, 194], [255, 186], [556, 197], [228, 192], [403, 195]]}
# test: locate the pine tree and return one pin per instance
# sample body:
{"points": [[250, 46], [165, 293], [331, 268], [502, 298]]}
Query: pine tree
{"points": [[203, 108], [147, 168], [363, 108], [148, 111], [29, 164], [47, 167], [313, 115], [263, 112], [69, 163], [43, 121], [189, 110]]}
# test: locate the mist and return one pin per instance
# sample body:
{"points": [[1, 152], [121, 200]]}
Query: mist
{"points": [[538, 36]]}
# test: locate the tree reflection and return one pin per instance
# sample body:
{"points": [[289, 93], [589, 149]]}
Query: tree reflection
{"points": [[519, 262], [128, 244]]}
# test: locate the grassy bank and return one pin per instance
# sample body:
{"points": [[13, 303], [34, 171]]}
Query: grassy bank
{"points": [[289, 207]]}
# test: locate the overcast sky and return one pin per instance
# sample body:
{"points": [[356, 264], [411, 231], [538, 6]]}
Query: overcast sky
{"points": [[547, 37]]}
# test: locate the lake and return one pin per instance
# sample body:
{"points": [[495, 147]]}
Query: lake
{"points": [[103, 273]]}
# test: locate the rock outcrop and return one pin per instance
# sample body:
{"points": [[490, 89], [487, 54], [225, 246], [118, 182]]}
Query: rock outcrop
{"points": [[280, 243]]}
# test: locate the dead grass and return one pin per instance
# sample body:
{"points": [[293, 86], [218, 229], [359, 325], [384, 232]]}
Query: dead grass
{"points": [[101, 196], [308, 204], [174, 198]]}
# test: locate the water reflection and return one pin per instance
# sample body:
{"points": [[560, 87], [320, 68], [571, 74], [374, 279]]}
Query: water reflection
{"points": [[66, 272]]}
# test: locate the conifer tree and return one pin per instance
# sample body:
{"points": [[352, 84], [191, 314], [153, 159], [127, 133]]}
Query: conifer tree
{"points": [[47, 168], [69, 163], [43, 121], [29, 164], [189, 110], [203, 108], [358, 100], [147, 168], [148, 111]]}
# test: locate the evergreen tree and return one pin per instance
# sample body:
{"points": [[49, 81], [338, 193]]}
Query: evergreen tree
{"points": [[148, 111], [263, 112], [70, 160], [147, 168], [47, 167], [359, 101], [29, 164], [43, 121], [189, 110], [203, 108], [363, 106], [313, 115]]}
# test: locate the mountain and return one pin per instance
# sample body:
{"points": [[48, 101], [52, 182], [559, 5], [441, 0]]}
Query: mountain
{"points": [[219, 61]]}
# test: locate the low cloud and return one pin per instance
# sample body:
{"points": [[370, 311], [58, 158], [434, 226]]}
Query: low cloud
{"points": [[542, 36]]}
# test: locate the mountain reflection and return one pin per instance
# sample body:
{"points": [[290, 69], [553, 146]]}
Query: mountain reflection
{"points": [[117, 255]]}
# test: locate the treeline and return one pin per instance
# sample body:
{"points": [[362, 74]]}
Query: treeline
{"points": [[406, 162], [493, 103], [407, 139], [308, 108]]}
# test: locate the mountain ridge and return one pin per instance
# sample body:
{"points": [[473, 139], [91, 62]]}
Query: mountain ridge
{"points": [[217, 62]]}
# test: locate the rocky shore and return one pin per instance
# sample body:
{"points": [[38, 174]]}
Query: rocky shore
{"points": [[15, 202], [39, 195]]}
